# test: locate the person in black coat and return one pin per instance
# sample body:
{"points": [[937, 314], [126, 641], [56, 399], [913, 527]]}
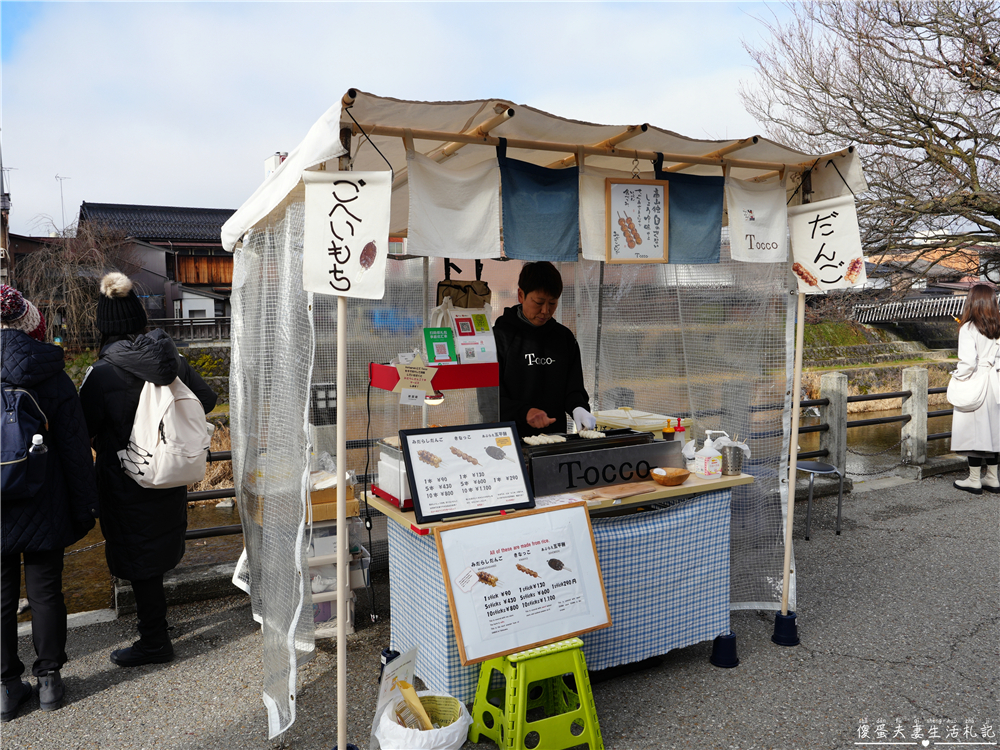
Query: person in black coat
{"points": [[144, 527], [39, 528], [541, 373]]}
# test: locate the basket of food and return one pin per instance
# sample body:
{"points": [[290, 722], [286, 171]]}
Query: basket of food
{"points": [[669, 477]]}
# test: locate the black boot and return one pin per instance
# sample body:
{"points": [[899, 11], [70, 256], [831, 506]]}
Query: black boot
{"points": [[51, 690], [138, 654], [13, 695]]}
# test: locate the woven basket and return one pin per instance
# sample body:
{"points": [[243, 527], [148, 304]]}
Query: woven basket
{"points": [[442, 710]]}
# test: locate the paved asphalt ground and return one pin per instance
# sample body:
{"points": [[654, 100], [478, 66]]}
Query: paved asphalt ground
{"points": [[898, 619]]}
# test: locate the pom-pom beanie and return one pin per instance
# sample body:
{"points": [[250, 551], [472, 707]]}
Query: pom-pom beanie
{"points": [[18, 313], [119, 310]]}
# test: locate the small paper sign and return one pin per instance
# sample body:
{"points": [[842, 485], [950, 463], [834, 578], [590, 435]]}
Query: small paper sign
{"points": [[346, 233], [416, 376], [411, 397]]}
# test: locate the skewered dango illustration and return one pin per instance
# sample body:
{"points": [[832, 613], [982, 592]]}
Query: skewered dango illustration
{"points": [[487, 578], [465, 456], [429, 458], [527, 571], [557, 565], [631, 228]]}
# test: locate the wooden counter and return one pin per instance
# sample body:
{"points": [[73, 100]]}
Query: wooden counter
{"points": [[691, 486]]}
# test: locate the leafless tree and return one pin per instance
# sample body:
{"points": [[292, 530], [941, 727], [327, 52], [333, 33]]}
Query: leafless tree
{"points": [[63, 277], [916, 87]]}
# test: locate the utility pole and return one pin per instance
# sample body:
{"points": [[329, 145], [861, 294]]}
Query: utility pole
{"points": [[62, 204]]}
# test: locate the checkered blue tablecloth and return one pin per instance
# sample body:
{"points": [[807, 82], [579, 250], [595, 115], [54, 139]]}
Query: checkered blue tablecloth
{"points": [[666, 574]]}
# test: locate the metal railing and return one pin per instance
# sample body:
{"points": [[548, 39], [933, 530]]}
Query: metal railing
{"points": [[938, 307], [195, 329]]}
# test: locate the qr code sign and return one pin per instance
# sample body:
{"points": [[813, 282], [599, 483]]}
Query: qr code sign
{"points": [[470, 352]]}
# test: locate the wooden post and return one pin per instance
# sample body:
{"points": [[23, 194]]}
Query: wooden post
{"points": [[833, 386], [342, 571], [914, 450], [793, 459]]}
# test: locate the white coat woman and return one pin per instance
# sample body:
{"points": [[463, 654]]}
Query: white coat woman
{"points": [[976, 434]]}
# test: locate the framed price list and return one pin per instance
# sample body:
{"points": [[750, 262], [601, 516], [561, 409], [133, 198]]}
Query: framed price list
{"points": [[460, 471]]}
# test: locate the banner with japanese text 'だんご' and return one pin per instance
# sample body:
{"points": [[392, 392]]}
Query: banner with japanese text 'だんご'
{"points": [[826, 245], [346, 233]]}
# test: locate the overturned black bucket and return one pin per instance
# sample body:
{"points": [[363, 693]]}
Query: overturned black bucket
{"points": [[724, 651], [785, 631]]}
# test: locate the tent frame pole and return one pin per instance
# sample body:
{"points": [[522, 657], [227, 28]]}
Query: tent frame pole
{"points": [[342, 509], [518, 143], [793, 457]]}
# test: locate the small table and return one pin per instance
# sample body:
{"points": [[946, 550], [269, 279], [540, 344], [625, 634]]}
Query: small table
{"points": [[666, 574]]}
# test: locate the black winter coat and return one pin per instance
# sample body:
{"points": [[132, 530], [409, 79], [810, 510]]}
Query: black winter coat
{"points": [[63, 511], [144, 528]]}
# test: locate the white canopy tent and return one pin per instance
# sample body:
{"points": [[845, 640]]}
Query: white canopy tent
{"points": [[274, 360]]}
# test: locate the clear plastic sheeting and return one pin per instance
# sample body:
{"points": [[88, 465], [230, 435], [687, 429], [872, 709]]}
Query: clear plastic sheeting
{"points": [[269, 391], [712, 343]]}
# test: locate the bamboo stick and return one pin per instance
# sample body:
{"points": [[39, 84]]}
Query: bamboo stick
{"points": [[630, 132], [437, 135], [447, 150], [741, 144], [806, 165]]}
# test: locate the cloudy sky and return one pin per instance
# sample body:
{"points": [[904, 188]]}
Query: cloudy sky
{"points": [[179, 104]]}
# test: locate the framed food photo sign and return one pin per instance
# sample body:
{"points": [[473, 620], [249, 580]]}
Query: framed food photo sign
{"points": [[461, 471], [637, 220], [521, 581]]}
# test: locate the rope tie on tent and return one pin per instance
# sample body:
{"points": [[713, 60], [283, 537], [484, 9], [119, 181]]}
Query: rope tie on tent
{"points": [[832, 162], [800, 183], [635, 168], [391, 172]]}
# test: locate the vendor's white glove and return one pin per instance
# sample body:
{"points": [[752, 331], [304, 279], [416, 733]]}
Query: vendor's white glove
{"points": [[584, 419]]}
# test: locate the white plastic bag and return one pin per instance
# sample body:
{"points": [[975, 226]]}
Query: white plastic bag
{"points": [[441, 316], [391, 736]]}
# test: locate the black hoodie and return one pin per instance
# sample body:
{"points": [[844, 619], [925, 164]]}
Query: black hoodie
{"points": [[540, 368], [144, 527]]}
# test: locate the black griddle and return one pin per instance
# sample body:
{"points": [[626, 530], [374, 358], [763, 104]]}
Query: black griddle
{"points": [[575, 444]]}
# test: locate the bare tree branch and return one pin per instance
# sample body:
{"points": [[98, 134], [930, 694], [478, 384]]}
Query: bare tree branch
{"points": [[916, 86]]}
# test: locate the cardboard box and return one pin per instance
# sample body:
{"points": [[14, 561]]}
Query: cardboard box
{"points": [[328, 511], [329, 495]]}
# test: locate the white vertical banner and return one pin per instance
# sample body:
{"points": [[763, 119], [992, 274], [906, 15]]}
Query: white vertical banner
{"points": [[758, 221], [346, 233], [826, 245]]}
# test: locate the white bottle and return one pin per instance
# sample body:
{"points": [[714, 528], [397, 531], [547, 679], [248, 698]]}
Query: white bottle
{"points": [[708, 461], [37, 446]]}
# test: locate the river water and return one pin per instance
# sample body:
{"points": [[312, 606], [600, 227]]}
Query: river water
{"points": [[877, 439], [87, 583]]}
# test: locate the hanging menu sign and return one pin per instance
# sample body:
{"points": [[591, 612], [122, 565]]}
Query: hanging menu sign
{"points": [[521, 581], [637, 218], [457, 471]]}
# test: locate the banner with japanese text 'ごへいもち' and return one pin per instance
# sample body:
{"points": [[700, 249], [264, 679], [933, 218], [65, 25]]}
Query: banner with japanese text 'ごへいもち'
{"points": [[826, 245], [346, 233]]}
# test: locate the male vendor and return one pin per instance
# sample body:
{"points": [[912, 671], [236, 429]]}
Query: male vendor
{"points": [[541, 376]]}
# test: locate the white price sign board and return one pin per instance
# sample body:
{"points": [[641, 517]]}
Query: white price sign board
{"points": [[520, 581], [458, 471]]}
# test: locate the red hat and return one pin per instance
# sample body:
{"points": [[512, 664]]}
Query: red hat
{"points": [[18, 313]]}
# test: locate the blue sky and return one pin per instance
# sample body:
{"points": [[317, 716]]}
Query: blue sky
{"points": [[179, 103]]}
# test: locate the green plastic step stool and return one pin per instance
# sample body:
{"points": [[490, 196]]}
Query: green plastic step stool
{"points": [[535, 679]]}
